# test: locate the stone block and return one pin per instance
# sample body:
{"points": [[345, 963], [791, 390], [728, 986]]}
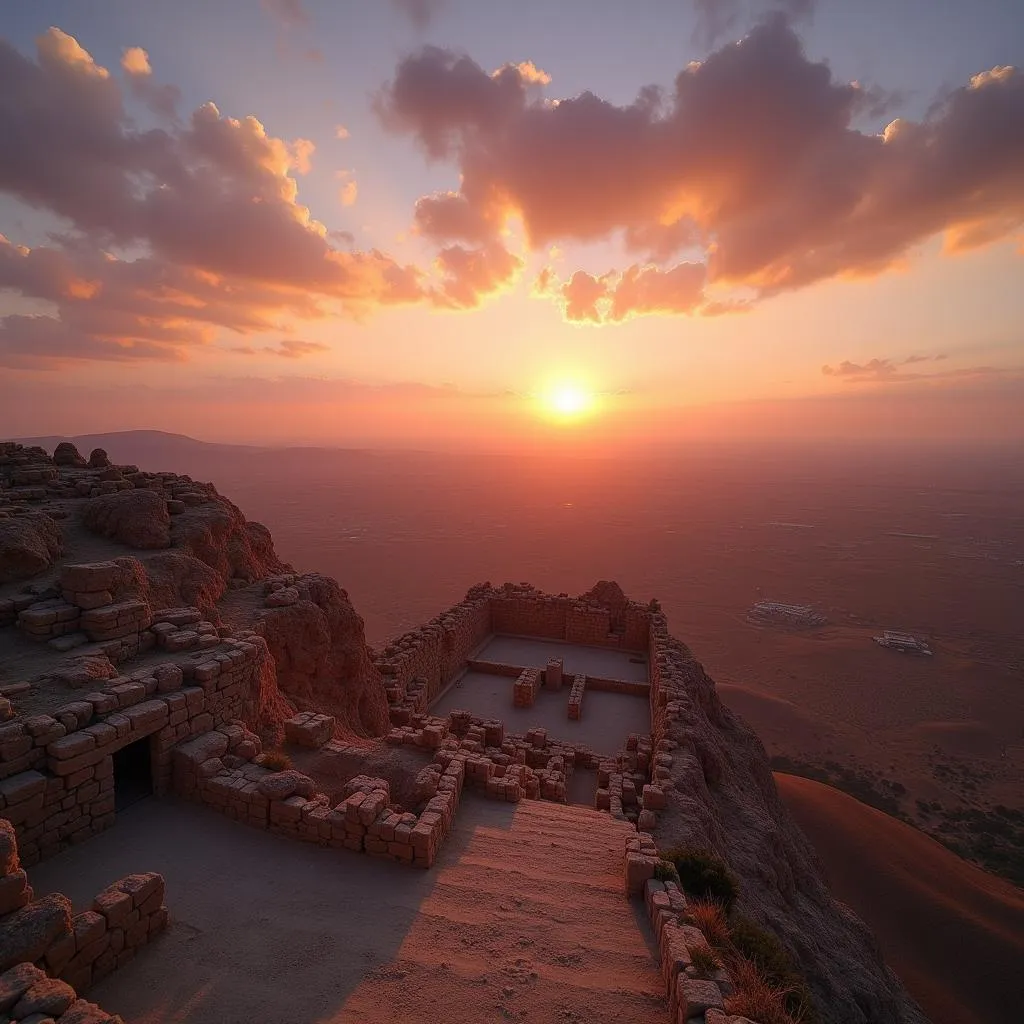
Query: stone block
{"points": [[26, 934]]}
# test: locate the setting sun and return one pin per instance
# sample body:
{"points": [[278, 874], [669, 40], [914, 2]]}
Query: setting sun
{"points": [[567, 401]]}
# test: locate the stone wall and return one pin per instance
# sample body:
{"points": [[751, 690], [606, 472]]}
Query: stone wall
{"points": [[522, 610], [435, 652], [219, 770], [47, 953], [56, 770]]}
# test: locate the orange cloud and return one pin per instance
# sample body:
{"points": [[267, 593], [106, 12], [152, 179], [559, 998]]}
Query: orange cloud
{"points": [[770, 196], [212, 201]]}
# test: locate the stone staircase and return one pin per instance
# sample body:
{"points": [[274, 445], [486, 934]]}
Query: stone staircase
{"points": [[528, 920]]}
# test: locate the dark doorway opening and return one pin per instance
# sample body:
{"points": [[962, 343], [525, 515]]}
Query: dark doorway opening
{"points": [[133, 775]]}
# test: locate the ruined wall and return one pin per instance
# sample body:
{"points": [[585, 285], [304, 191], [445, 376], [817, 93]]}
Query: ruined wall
{"points": [[522, 610], [216, 770], [56, 770], [436, 651], [47, 953]]}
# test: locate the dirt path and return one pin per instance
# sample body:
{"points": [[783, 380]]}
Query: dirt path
{"points": [[529, 924], [522, 918]]}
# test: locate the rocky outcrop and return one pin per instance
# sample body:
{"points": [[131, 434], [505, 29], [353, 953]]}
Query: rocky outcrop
{"points": [[319, 648], [723, 798], [30, 542], [138, 519], [217, 534]]}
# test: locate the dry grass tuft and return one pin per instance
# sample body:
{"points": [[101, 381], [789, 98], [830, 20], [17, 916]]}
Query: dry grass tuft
{"points": [[757, 998], [276, 760], [709, 917], [705, 960]]}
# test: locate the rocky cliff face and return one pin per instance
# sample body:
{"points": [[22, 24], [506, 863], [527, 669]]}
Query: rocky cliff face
{"points": [[724, 798], [168, 543]]}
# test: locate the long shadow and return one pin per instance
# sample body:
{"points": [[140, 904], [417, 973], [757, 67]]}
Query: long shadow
{"points": [[263, 927]]}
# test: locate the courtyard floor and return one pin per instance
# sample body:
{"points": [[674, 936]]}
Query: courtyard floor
{"points": [[594, 661], [608, 718]]}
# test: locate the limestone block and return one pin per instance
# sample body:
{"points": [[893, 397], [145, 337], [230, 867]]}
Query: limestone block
{"points": [[47, 996], [15, 982], [695, 996], [25, 934]]}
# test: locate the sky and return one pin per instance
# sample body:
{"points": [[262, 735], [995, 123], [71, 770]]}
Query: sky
{"points": [[464, 222]]}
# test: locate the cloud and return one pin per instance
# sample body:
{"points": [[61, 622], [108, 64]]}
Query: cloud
{"points": [[341, 132], [209, 204], [886, 371], [287, 349], [749, 164], [420, 12], [718, 18], [471, 274], [348, 191], [288, 13]]}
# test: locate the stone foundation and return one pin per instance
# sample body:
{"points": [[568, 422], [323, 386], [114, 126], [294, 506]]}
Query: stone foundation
{"points": [[48, 955]]}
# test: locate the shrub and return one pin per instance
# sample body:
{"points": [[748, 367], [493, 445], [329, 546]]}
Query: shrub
{"points": [[665, 871], [276, 760], [704, 960], [710, 918], [762, 949], [703, 875], [757, 998]]}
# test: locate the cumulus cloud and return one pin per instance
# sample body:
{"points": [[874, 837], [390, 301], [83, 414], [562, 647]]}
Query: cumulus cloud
{"points": [[211, 204], [420, 12], [718, 18], [749, 164]]}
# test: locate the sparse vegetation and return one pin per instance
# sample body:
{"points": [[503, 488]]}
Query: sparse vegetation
{"points": [[704, 960], [883, 797], [710, 918], [703, 875], [276, 760], [760, 947], [665, 871], [993, 839], [758, 998]]}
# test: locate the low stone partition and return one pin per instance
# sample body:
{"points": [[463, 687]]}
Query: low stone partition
{"points": [[553, 674], [212, 770], [579, 686], [524, 690], [629, 686], [494, 668], [46, 953]]}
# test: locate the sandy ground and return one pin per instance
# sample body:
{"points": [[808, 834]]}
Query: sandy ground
{"points": [[953, 933], [523, 918], [608, 718], [594, 661]]}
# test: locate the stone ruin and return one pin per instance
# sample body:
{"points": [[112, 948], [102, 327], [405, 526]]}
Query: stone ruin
{"points": [[184, 639]]}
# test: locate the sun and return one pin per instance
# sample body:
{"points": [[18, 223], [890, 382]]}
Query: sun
{"points": [[567, 401]]}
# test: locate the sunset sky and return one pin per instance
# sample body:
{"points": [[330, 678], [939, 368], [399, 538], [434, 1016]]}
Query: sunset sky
{"points": [[464, 221]]}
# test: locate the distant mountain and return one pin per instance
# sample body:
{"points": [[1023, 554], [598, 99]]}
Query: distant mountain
{"points": [[148, 448]]}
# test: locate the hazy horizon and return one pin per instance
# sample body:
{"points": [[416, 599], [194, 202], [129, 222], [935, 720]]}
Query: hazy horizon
{"points": [[470, 226]]}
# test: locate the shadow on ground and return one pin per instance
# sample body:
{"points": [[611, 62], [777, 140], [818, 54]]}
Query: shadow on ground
{"points": [[263, 928]]}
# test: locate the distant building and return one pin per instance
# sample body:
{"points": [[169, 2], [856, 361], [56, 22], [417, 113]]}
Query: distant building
{"points": [[903, 642], [802, 615]]}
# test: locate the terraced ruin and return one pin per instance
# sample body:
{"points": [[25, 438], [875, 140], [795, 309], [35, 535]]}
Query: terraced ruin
{"points": [[524, 749]]}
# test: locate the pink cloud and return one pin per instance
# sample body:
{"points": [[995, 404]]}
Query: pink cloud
{"points": [[750, 164], [211, 202]]}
